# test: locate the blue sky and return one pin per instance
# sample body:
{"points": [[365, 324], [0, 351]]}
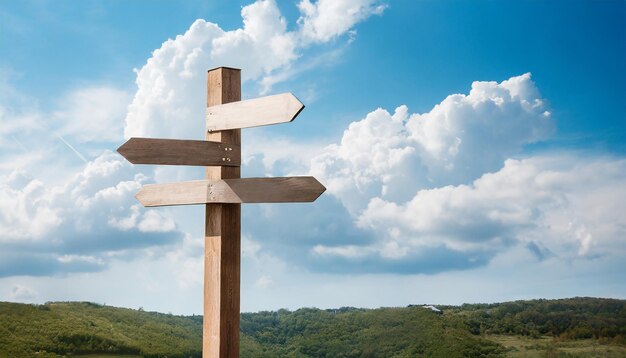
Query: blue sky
{"points": [[472, 151]]}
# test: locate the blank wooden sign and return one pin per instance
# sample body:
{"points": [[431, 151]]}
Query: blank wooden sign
{"points": [[280, 108], [235, 191], [180, 152]]}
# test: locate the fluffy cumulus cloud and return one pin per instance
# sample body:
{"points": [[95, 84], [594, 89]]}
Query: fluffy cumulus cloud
{"points": [[79, 225], [169, 83], [437, 191], [393, 155], [554, 205]]}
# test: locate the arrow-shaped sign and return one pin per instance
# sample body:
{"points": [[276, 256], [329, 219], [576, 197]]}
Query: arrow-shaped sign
{"points": [[180, 152], [246, 190], [280, 108]]}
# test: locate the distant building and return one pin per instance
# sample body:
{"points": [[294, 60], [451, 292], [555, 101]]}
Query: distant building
{"points": [[433, 308]]}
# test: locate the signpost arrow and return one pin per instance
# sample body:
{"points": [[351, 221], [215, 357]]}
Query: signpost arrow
{"points": [[280, 108], [233, 191], [180, 152]]}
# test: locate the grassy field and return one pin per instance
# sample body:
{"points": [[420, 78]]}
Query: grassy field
{"points": [[105, 356], [580, 327], [520, 346]]}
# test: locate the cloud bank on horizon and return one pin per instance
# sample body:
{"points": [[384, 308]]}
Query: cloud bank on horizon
{"points": [[448, 189]]}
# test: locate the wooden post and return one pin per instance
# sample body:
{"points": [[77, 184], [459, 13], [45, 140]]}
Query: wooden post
{"points": [[222, 241]]}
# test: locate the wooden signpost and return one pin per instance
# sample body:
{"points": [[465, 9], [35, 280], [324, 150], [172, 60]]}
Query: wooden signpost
{"points": [[222, 192]]}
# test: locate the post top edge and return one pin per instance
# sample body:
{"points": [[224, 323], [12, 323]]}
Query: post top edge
{"points": [[224, 67]]}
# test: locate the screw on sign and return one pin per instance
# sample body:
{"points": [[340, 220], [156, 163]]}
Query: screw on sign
{"points": [[223, 192]]}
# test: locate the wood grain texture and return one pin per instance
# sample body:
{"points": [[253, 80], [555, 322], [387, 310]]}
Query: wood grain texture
{"points": [[180, 152], [183, 193], [233, 191], [268, 190], [222, 241], [280, 108]]}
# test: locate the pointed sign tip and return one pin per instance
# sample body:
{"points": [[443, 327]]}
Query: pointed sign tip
{"points": [[321, 188], [143, 196], [274, 109], [123, 150], [120, 149], [125, 145], [295, 105]]}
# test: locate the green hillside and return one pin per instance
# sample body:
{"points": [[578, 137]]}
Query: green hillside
{"points": [[57, 329], [585, 327]]}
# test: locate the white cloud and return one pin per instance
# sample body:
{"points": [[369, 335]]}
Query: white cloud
{"points": [[76, 223], [430, 191], [145, 221], [392, 156], [22, 293], [493, 121], [264, 281], [347, 251], [170, 99], [324, 20], [80, 258], [19, 114], [25, 209], [93, 114], [13, 123], [48, 144], [90, 114], [558, 203], [249, 247], [188, 262], [267, 156]]}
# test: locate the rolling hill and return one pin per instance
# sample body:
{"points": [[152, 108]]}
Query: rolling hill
{"points": [[568, 327]]}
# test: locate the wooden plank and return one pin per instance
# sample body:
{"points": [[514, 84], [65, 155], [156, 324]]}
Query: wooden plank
{"points": [[232, 191], [280, 108], [180, 152], [222, 238], [268, 190], [184, 193]]}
